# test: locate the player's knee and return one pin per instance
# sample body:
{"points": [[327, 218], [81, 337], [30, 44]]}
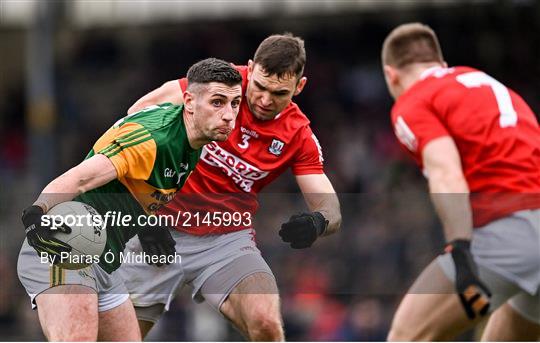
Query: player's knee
{"points": [[263, 326]]}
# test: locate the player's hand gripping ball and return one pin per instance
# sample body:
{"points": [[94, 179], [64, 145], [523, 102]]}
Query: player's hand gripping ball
{"points": [[40, 237], [303, 229], [72, 234], [473, 293]]}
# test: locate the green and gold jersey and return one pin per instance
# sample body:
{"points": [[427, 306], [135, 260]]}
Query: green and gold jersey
{"points": [[152, 156]]}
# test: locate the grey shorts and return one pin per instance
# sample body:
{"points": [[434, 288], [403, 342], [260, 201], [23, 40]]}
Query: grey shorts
{"points": [[210, 265], [37, 277], [507, 252]]}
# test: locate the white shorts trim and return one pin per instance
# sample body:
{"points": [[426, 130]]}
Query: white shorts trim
{"points": [[109, 301]]}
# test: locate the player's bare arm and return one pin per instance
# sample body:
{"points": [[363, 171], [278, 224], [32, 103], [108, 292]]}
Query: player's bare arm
{"points": [[170, 91], [448, 187], [320, 196], [450, 195], [89, 174]]}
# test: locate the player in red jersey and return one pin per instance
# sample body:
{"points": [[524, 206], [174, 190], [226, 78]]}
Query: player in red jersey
{"points": [[478, 143], [220, 260]]}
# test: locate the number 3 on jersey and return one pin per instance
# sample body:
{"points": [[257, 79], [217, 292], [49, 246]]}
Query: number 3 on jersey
{"points": [[502, 96], [245, 143]]}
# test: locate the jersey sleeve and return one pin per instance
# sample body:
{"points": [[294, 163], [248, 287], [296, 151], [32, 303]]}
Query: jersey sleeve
{"points": [[183, 84], [309, 158], [130, 148], [416, 125]]}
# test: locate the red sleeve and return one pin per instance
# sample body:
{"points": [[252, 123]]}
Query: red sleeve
{"points": [[183, 84], [416, 125], [308, 159]]}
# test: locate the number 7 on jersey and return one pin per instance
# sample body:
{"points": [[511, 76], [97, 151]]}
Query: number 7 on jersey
{"points": [[502, 96]]}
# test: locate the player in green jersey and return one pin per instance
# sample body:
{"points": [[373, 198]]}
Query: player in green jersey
{"points": [[135, 167]]}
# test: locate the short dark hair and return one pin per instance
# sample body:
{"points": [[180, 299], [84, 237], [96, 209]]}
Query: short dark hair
{"points": [[282, 55], [411, 43], [213, 70]]}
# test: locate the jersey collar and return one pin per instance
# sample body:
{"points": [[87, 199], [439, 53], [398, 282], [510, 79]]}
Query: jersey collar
{"points": [[430, 71]]}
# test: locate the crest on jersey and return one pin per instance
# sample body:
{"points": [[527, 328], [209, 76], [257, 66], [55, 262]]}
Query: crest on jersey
{"points": [[276, 147], [405, 134]]}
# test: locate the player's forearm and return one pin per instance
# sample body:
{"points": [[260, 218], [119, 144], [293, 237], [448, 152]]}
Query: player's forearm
{"points": [[57, 191], [450, 196], [334, 221], [89, 174], [321, 197], [328, 206]]}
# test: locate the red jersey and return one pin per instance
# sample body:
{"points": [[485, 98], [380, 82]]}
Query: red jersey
{"points": [[229, 174], [495, 131]]}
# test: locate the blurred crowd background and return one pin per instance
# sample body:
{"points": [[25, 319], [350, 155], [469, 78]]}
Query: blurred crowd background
{"points": [[70, 69]]}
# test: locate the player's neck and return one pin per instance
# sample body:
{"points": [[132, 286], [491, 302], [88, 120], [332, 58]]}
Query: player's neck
{"points": [[414, 73], [195, 137]]}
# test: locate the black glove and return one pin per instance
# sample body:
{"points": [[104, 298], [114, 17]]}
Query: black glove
{"points": [[474, 295], [40, 237], [157, 241], [303, 229]]}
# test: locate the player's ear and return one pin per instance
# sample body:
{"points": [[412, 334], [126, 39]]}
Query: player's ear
{"points": [[251, 65], [445, 64], [188, 101], [300, 86], [390, 75]]}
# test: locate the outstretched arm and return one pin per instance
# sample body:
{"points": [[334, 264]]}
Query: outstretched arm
{"points": [[170, 91]]}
